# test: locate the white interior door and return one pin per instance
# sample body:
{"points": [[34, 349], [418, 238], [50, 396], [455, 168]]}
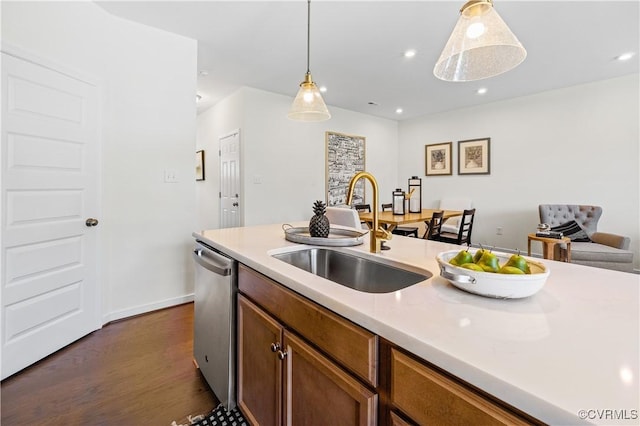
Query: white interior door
{"points": [[50, 159], [230, 181]]}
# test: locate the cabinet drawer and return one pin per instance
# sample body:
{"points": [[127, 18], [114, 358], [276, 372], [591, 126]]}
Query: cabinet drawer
{"points": [[349, 344], [429, 397], [396, 420]]}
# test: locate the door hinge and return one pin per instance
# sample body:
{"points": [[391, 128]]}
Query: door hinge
{"points": [[219, 194]]}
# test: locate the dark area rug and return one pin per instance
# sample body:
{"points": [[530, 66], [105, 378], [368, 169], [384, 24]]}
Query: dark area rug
{"points": [[218, 417]]}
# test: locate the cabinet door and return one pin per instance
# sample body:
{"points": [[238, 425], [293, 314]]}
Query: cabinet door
{"points": [[259, 369], [429, 397], [349, 344], [318, 392]]}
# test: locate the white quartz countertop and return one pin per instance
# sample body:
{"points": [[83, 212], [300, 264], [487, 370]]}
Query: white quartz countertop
{"points": [[566, 355]]}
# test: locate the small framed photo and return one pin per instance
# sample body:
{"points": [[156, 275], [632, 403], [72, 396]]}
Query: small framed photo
{"points": [[438, 159], [200, 165], [474, 157]]}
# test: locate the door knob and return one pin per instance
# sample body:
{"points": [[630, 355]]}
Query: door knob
{"points": [[91, 222]]}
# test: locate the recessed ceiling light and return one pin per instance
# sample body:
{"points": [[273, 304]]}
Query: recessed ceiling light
{"points": [[481, 91], [323, 89], [409, 53], [625, 56], [398, 110]]}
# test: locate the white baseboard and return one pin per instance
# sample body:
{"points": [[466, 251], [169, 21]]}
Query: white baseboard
{"points": [[143, 309]]}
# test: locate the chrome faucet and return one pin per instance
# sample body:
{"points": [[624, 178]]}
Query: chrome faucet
{"points": [[377, 234]]}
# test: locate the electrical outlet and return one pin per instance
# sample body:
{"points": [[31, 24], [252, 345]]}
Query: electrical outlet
{"points": [[170, 176], [499, 230]]}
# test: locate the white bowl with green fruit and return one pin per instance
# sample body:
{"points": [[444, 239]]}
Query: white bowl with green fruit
{"points": [[492, 274]]}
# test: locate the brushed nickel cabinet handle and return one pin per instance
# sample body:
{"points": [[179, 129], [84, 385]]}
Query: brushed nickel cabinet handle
{"points": [[275, 347]]}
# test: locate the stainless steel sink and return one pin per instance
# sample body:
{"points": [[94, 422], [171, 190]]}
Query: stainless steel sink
{"points": [[353, 271]]}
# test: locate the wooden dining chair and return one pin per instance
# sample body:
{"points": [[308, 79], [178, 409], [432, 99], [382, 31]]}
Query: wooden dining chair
{"points": [[464, 233], [435, 226], [362, 208], [407, 231]]}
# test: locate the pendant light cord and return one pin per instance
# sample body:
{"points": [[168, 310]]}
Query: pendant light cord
{"points": [[308, 33]]}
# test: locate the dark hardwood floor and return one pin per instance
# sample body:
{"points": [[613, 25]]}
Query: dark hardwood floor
{"points": [[138, 371]]}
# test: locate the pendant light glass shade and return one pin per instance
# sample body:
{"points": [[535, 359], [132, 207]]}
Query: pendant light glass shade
{"points": [[308, 104], [481, 45]]}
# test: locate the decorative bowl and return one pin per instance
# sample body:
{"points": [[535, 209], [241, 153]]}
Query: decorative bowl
{"points": [[495, 285]]}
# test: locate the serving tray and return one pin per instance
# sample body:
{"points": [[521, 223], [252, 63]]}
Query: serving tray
{"points": [[338, 237]]}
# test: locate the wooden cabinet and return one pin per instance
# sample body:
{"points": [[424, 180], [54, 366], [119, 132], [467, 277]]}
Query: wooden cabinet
{"points": [[259, 369], [301, 364], [283, 378], [351, 345], [396, 420], [429, 397], [318, 392]]}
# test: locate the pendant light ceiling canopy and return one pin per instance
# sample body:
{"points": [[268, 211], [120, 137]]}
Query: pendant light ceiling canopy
{"points": [[308, 104], [481, 45]]}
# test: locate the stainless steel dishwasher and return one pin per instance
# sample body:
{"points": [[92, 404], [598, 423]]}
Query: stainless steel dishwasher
{"points": [[214, 336]]}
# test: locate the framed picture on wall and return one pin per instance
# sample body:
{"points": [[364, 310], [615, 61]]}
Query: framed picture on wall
{"points": [[345, 156], [437, 159], [200, 165], [474, 157]]}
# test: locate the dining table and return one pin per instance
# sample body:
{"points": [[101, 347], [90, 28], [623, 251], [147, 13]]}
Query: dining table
{"points": [[391, 221]]}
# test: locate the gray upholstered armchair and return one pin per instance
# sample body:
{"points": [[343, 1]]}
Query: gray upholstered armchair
{"points": [[600, 249]]}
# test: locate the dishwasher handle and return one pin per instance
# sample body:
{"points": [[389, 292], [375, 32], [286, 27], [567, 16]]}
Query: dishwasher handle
{"points": [[212, 261]]}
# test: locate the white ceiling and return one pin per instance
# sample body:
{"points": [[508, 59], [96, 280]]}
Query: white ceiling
{"points": [[357, 48]]}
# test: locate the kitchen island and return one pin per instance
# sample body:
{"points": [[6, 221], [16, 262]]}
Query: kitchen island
{"points": [[567, 355]]}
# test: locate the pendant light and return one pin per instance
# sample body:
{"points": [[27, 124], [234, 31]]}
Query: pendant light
{"points": [[308, 104], [481, 45]]}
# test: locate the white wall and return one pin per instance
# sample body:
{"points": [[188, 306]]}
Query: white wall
{"points": [[216, 122], [288, 157], [577, 145], [148, 125]]}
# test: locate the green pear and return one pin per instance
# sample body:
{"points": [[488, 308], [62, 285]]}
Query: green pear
{"points": [[489, 262], [461, 258], [478, 254], [472, 266], [519, 262], [511, 270]]}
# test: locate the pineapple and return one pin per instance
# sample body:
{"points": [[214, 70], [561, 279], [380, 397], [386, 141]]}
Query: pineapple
{"points": [[319, 223]]}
